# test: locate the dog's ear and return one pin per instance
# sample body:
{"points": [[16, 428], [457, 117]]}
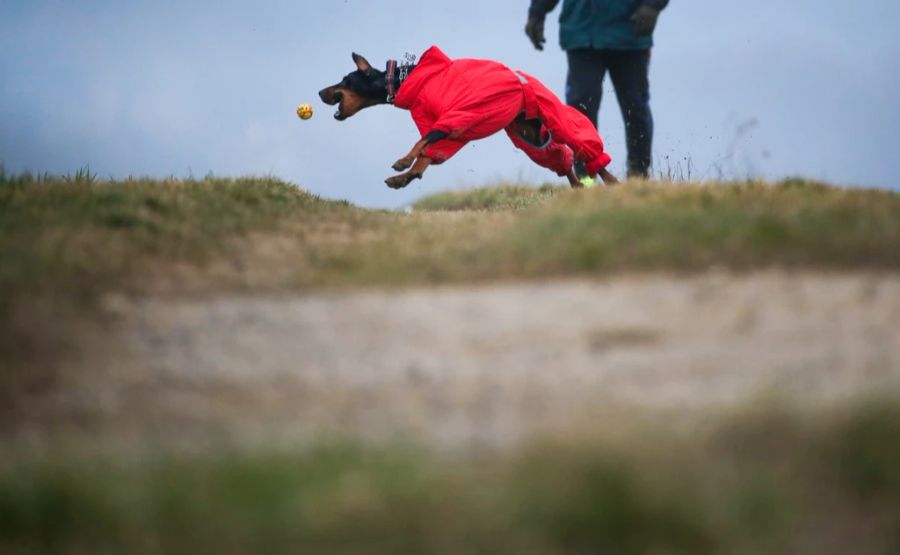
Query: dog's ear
{"points": [[362, 64]]}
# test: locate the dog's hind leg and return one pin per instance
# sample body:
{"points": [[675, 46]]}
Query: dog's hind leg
{"points": [[607, 177], [539, 145], [574, 182]]}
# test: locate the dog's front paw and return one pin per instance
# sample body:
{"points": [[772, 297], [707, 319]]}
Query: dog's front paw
{"points": [[398, 181], [402, 180], [402, 164]]}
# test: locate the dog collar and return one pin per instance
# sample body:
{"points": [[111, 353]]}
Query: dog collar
{"points": [[396, 74], [389, 77]]}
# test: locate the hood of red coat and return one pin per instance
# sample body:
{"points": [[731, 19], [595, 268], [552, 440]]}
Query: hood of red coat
{"points": [[432, 62]]}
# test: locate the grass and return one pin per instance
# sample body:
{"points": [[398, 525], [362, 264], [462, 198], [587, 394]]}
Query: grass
{"points": [[773, 482], [504, 197], [78, 237], [515, 232], [68, 241], [765, 482], [793, 224]]}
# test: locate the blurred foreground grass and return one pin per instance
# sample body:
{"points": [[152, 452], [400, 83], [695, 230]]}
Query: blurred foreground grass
{"points": [[765, 482]]}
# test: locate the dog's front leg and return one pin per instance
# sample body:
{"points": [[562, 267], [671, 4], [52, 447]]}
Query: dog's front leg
{"points": [[404, 179], [416, 152], [407, 161]]}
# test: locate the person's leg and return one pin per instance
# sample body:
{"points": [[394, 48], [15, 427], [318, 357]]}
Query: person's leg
{"points": [[584, 86], [629, 71]]}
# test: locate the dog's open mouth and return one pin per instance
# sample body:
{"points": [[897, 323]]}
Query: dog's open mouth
{"points": [[338, 99], [331, 97]]}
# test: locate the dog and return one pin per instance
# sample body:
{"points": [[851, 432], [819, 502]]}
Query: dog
{"points": [[456, 101]]}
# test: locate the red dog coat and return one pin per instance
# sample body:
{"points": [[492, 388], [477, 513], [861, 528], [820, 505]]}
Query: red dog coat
{"points": [[472, 99]]}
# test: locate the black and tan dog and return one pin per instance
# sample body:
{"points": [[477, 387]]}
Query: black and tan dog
{"points": [[457, 101]]}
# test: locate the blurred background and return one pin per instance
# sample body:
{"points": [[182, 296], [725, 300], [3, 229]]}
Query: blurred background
{"points": [[763, 89]]}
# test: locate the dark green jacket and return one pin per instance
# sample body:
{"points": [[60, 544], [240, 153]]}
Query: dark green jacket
{"points": [[597, 23]]}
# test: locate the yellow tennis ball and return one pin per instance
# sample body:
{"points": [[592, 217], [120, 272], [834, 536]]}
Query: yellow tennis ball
{"points": [[304, 111]]}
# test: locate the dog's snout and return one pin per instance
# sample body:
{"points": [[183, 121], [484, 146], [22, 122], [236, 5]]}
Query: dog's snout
{"points": [[330, 96]]}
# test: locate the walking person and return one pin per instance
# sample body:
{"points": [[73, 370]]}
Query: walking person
{"points": [[600, 36]]}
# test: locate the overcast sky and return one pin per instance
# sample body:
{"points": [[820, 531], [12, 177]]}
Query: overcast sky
{"points": [[766, 88]]}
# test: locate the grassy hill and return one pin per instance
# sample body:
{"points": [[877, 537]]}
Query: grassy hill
{"points": [[77, 237], [772, 481], [68, 241]]}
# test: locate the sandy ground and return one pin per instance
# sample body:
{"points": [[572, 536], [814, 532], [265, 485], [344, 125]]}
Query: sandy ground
{"points": [[484, 365]]}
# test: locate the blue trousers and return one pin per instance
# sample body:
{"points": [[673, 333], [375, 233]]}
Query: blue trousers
{"points": [[629, 71]]}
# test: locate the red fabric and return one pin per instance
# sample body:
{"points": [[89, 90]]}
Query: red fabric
{"points": [[473, 99]]}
